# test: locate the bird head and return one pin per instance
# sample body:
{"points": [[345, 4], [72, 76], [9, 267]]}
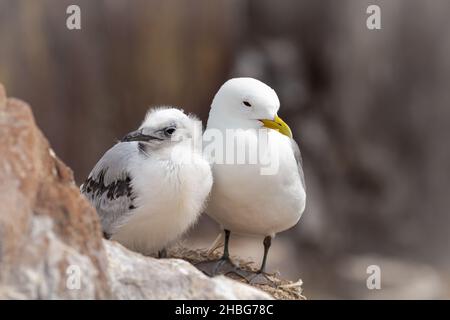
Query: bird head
{"points": [[164, 126], [247, 103]]}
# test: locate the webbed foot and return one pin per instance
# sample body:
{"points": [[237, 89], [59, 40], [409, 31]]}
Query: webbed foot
{"points": [[217, 267]]}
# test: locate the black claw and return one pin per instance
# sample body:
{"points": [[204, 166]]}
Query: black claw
{"points": [[225, 266], [216, 267]]}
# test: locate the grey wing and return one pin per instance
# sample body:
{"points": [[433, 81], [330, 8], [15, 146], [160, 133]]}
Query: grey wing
{"points": [[298, 158], [109, 186]]}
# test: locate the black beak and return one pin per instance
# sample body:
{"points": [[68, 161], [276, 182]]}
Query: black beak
{"points": [[137, 136]]}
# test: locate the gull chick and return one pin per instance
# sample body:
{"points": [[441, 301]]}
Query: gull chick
{"points": [[242, 199], [151, 186]]}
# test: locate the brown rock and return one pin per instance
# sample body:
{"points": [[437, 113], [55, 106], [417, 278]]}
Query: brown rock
{"points": [[45, 225]]}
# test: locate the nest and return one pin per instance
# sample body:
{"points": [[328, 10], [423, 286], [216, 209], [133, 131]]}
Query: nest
{"points": [[283, 290]]}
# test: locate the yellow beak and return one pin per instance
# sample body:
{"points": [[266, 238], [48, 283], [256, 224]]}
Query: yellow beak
{"points": [[279, 125]]}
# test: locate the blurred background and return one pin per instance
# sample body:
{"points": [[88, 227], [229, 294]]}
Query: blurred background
{"points": [[370, 110]]}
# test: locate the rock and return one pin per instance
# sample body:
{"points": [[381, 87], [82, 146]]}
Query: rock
{"points": [[45, 225], [134, 276], [51, 243]]}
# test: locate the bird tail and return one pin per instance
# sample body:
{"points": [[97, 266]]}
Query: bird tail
{"points": [[219, 242]]}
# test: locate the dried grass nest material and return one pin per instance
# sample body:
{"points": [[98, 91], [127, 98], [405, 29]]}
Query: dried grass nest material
{"points": [[285, 289]]}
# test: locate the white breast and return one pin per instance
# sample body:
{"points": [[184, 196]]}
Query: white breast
{"points": [[244, 201], [170, 198]]}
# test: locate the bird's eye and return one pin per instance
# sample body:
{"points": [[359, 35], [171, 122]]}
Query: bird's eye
{"points": [[246, 103], [169, 131]]}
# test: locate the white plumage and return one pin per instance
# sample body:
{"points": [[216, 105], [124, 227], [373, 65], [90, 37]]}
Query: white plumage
{"points": [[242, 199], [151, 187]]}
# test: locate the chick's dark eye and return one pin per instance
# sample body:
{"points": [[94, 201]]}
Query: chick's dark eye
{"points": [[248, 104], [169, 131]]}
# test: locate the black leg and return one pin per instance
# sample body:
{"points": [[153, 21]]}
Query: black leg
{"points": [[267, 242], [162, 253], [260, 277], [222, 265], [226, 254]]}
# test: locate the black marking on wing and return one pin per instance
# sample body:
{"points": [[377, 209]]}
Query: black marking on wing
{"points": [[95, 186]]}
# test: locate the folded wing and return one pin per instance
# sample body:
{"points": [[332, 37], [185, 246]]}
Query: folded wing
{"points": [[109, 186], [298, 158]]}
